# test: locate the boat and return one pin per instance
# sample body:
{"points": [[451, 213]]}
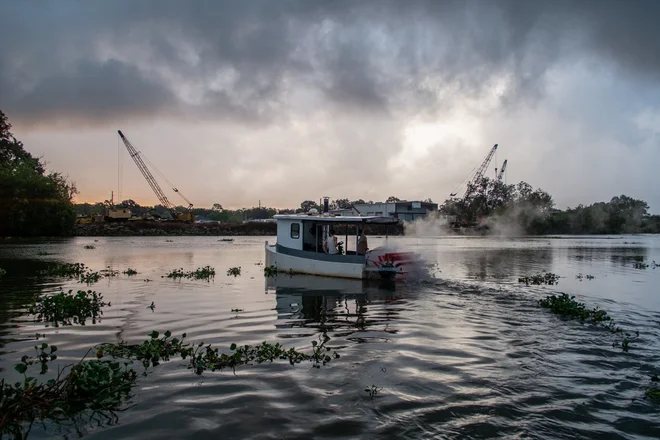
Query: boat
{"points": [[299, 248]]}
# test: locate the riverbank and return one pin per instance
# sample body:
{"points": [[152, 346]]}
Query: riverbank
{"points": [[146, 228]]}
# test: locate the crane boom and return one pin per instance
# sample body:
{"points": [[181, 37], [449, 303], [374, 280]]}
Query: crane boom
{"points": [[146, 173], [482, 168], [162, 198], [480, 171], [502, 170]]}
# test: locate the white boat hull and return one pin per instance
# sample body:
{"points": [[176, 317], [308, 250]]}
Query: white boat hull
{"points": [[378, 263], [294, 264]]}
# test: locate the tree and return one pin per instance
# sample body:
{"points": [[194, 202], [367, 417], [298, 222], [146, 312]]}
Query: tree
{"points": [[34, 203], [342, 204], [392, 199], [217, 207], [308, 204]]}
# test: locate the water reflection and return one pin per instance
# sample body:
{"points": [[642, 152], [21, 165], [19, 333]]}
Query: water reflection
{"points": [[503, 263], [336, 308]]}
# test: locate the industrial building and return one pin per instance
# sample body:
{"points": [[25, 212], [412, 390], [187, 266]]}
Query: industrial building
{"points": [[405, 210]]}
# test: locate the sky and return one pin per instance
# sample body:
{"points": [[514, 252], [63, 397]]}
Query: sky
{"points": [[284, 101]]}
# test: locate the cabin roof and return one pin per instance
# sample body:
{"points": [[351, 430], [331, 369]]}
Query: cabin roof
{"points": [[354, 219]]}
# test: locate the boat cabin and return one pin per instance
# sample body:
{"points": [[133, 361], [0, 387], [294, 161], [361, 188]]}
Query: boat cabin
{"points": [[304, 235]]}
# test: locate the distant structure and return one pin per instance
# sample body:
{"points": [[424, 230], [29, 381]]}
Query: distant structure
{"points": [[405, 210]]}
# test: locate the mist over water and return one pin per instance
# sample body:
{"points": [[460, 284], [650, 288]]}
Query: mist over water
{"points": [[466, 354]]}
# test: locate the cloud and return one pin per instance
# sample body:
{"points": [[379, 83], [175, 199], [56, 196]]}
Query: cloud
{"points": [[371, 55], [330, 91]]}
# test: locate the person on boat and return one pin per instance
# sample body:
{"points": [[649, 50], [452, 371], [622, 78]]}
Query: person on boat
{"points": [[330, 244], [362, 247]]}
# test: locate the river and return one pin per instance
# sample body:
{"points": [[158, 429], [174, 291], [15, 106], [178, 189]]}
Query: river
{"points": [[468, 354]]}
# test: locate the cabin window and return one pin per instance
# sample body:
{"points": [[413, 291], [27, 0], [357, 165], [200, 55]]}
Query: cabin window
{"points": [[295, 230]]}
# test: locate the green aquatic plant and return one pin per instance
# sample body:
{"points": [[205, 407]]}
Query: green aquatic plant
{"points": [[68, 308], [99, 388], [109, 272], [653, 394], [202, 273], [89, 246], [44, 253], [150, 353], [638, 265], [205, 357], [270, 271], [68, 270], [236, 310], [547, 278], [373, 391], [234, 271], [90, 277], [568, 307], [90, 387], [152, 306], [2, 272], [130, 272]]}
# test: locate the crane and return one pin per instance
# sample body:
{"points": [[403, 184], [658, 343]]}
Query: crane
{"points": [[480, 171], [137, 158], [502, 170]]}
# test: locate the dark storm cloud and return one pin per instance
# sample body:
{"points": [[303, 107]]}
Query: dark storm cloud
{"points": [[374, 56], [90, 91]]}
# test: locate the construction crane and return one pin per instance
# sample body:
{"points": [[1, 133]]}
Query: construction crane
{"points": [[138, 159], [502, 170], [479, 173]]}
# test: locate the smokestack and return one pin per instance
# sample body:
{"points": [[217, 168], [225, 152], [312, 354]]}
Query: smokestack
{"points": [[325, 204]]}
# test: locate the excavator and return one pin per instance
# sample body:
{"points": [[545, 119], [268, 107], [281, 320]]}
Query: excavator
{"points": [[139, 159]]}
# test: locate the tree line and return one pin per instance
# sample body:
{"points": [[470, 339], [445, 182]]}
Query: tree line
{"points": [[489, 203]]}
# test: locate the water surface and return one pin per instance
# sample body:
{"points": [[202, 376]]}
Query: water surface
{"points": [[467, 354]]}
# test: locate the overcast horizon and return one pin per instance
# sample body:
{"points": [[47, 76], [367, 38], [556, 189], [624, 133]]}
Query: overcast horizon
{"points": [[286, 101]]}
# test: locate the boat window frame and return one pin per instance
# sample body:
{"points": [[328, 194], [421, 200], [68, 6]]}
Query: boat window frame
{"points": [[297, 227]]}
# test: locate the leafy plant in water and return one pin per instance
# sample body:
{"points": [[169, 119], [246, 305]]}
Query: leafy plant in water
{"points": [[90, 277], [90, 246], [152, 306], [548, 278], [234, 271], [130, 272], [567, 307], [79, 271], [236, 310], [373, 391], [69, 270], [2, 272], [100, 387], [653, 392], [202, 273], [270, 271], [96, 387], [43, 357], [44, 253], [205, 357], [109, 272], [67, 308]]}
